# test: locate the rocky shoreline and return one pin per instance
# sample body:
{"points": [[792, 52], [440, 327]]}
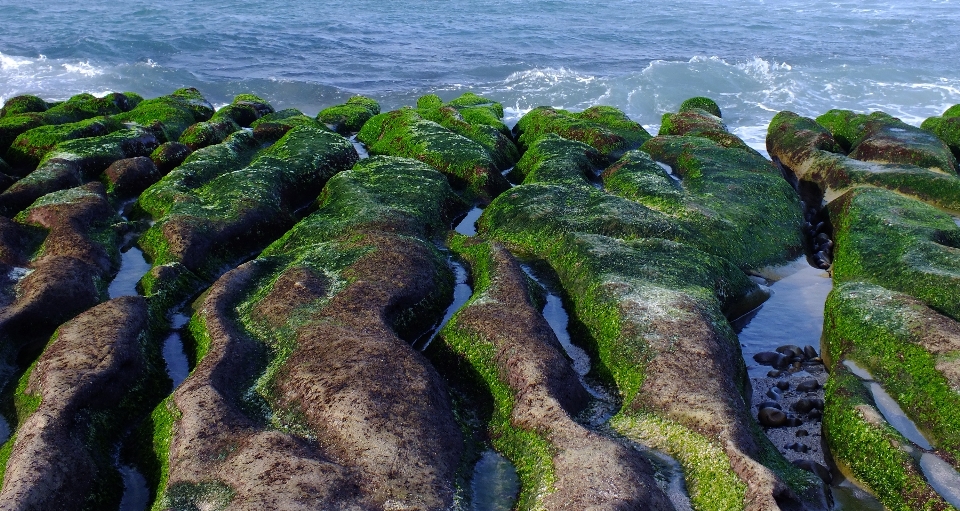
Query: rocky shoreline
{"points": [[312, 266]]}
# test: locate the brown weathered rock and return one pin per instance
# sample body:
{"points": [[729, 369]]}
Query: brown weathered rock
{"points": [[89, 368], [131, 176]]}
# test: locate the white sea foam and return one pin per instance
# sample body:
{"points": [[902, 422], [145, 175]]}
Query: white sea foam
{"points": [[83, 68]]}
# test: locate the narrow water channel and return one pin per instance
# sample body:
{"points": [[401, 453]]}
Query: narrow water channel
{"points": [[136, 495], [178, 367], [495, 484], [793, 316]]}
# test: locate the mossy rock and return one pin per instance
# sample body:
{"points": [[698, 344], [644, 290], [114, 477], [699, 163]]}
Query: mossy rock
{"points": [[732, 199], [898, 243], [697, 122], [879, 137], [244, 110], [467, 164], [947, 128], [390, 193], [23, 104], [498, 144], [77, 108], [236, 212], [272, 127], [604, 128], [861, 441], [805, 148], [190, 96], [701, 103], [203, 165], [207, 133], [30, 147], [175, 113], [169, 155], [556, 160], [350, 116], [908, 347]]}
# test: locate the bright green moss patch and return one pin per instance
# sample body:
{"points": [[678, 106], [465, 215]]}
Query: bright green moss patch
{"points": [[273, 127], [947, 128], [174, 112], [350, 116], [899, 243], [29, 148], [701, 103], [77, 108], [244, 110], [711, 482], [480, 124], [880, 137], [234, 153], [23, 104], [467, 164], [883, 332], [870, 448], [733, 198], [156, 435], [203, 134], [604, 128]]}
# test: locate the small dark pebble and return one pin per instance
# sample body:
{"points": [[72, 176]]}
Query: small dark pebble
{"points": [[774, 373], [767, 358], [808, 386], [783, 385], [774, 393], [771, 417], [815, 414], [812, 466], [816, 360], [793, 422], [769, 404], [818, 227], [805, 405], [797, 446], [790, 350], [803, 432], [810, 352], [822, 237]]}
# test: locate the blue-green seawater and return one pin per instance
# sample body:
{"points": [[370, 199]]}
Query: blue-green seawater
{"points": [[755, 58]]}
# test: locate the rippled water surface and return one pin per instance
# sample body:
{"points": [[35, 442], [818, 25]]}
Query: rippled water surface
{"points": [[755, 58]]}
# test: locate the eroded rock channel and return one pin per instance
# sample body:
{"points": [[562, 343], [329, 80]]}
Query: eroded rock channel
{"points": [[243, 308]]}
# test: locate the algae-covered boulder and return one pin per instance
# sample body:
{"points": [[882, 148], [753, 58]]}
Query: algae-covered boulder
{"points": [[947, 127], [321, 313], [74, 162], [130, 176], [244, 110], [203, 165], [236, 212], [882, 138], [174, 112], [207, 133], [476, 118], [864, 444], [30, 147], [169, 155], [506, 340], [604, 128], [75, 109], [908, 347], [701, 103], [272, 127], [810, 152], [732, 196], [350, 116], [80, 394], [899, 243], [466, 163], [23, 104]]}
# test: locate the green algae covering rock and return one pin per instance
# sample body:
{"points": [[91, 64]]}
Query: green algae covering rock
{"points": [[947, 127], [899, 243], [882, 138], [476, 118], [811, 153], [912, 349], [272, 127], [350, 116], [466, 163], [215, 222], [701, 103], [87, 383], [23, 104], [652, 296], [705, 122], [174, 113], [75, 109], [29, 148], [320, 315], [207, 133], [870, 449], [604, 128], [508, 343], [244, 110]]}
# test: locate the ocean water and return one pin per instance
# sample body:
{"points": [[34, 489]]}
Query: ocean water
{"points": [[754, 57]]}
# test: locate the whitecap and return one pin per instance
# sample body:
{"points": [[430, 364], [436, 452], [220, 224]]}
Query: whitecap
{"points": [[83, 68]]}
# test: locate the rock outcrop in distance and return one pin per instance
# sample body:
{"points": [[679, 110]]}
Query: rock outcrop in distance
{"points": [[328, 367]]}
